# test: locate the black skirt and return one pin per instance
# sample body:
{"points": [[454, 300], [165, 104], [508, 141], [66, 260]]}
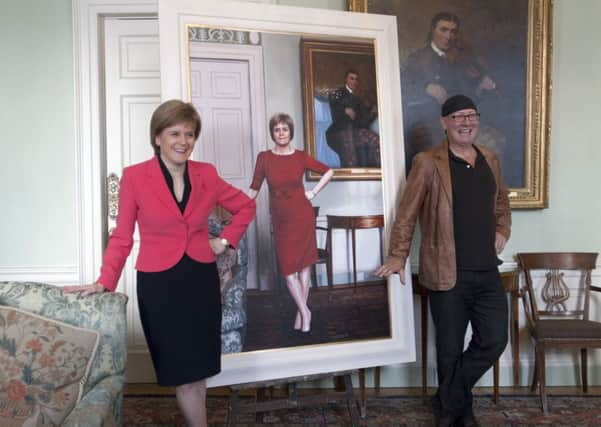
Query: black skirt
{"points": [[180, 309]]}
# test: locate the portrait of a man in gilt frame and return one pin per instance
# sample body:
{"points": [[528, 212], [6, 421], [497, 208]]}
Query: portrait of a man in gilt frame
{"points": [[497, 53]]}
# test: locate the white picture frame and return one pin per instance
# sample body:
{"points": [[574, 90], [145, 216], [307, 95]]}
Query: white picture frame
{"points": [[175, 16]]}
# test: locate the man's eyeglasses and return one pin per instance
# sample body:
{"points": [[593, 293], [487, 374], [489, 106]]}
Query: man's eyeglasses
{"points": [[460, 118]]}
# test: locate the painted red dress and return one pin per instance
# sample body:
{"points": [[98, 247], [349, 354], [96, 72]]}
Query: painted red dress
{"points": [[292, 214]]}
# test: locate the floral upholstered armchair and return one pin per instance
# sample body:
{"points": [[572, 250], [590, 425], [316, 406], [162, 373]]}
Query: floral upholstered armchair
{"points": [[233, 269], [102, 390]]}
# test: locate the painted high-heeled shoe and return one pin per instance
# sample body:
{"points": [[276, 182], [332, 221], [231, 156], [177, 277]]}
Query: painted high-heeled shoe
{"points": [[307, 322]]}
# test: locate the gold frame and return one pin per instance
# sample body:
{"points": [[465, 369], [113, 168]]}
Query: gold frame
{"points": [[535, 193], [308, 48]]}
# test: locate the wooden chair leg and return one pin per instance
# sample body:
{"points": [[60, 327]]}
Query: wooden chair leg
{"points": [[350, 400], [338, 383], [314, 276], [377, 375], [232, 408], [542, 380], [584, 369], [535, 374], [424, 314], [329, 268], [362, 401], [495, 376]]}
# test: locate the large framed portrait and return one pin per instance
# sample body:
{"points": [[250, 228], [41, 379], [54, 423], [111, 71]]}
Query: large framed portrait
{"points": [[341, 123], [239, 64], [498, 53]]}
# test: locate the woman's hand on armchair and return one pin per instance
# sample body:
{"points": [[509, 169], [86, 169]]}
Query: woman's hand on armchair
{"points": [[85, 290]]}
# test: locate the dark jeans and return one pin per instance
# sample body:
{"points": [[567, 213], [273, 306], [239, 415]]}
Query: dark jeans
{"points": [[478, 298]]}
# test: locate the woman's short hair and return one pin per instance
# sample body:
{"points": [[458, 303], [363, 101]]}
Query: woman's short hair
{"points": [[171, 113], [278, 118]]}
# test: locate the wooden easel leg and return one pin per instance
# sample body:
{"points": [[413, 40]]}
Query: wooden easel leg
{"points": [[232, 408], [495, 375], [424, 304], [292, 397], [350, 400], [362, 391], [338, 384]]}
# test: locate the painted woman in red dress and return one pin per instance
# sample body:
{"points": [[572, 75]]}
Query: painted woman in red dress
{"points": [[292, 214]]}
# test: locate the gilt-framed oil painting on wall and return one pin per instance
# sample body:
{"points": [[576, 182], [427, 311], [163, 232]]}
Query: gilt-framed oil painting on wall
{"points": [[498, 53]]}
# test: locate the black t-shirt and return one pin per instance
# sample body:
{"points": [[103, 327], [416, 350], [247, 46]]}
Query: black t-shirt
{"points": [[474, 220]]}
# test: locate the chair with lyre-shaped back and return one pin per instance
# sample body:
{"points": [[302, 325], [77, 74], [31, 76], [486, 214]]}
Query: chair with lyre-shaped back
{"points": [[556, 300]]}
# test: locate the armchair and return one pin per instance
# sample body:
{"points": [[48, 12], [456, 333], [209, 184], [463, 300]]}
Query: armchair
{"points": [[557, 314], [105, 313], [233, 269]]}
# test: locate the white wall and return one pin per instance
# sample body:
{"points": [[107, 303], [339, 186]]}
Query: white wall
{"points": [[38, 172], [572, 221]]}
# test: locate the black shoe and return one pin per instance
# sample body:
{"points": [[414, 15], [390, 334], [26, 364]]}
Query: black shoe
{"points": [[445, 421], [467, 420]]}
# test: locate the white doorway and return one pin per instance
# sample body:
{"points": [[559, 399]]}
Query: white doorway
{"points": [[223, 93], [132, 90]]}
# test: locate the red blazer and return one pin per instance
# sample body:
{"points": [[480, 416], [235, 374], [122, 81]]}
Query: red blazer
{"points": [[165, 233]]}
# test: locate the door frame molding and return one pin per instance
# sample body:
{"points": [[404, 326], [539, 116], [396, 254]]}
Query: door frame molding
{"points": [[88, 28], [88, 23]]}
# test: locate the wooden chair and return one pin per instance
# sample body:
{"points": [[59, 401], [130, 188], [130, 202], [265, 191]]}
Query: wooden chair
{"points": [[323, 254], [557, 314]]}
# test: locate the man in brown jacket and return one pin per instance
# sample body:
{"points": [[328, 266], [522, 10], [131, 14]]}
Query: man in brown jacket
{"points": [[457, 191]]}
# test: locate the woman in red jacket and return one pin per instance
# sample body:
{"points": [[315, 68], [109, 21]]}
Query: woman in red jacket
{"points": [[170, 198]]}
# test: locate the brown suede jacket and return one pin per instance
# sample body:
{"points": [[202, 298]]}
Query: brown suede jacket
{"points": [[428, 193]]}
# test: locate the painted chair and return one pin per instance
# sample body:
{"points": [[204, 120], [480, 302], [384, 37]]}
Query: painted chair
{"points": [[233, 269]]}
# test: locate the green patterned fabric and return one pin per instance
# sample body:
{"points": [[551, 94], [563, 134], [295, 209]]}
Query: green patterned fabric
{"points": [[105, 313], [43, 367], [233, 320]]}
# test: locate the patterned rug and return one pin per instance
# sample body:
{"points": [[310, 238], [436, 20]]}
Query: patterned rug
{"points": [[516, 411]]}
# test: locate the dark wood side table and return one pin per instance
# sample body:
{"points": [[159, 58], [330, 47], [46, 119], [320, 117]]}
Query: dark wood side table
{"points": [[352, 224], [510, 280]]}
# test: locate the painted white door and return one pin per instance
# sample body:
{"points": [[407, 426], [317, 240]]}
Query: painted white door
{"points": [[221, 93], [132, 92]]}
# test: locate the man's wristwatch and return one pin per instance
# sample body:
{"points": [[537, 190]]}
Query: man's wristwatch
{"points": [[224, 242]]}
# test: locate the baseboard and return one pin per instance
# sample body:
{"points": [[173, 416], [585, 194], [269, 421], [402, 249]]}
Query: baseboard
{"points": [[410, 376]]}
